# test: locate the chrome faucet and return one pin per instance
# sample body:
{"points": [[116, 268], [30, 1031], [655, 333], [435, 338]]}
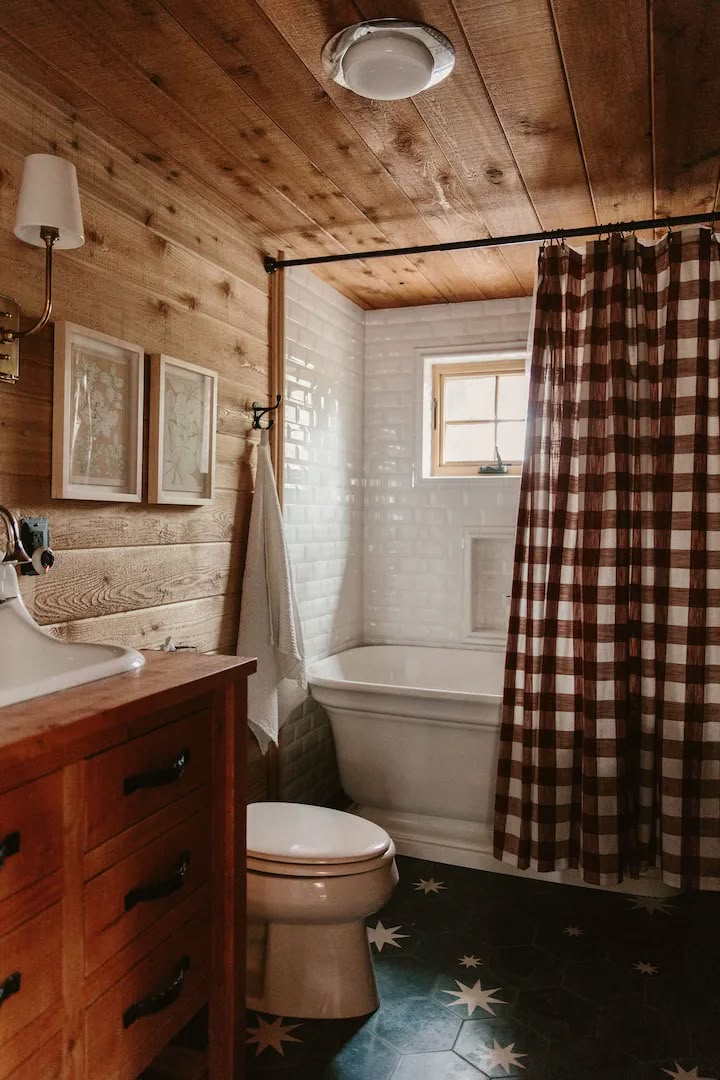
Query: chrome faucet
{"points": [[15, 552]]}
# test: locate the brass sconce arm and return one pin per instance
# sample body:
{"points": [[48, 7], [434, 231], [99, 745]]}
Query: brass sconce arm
{"points": [[50, 236]]}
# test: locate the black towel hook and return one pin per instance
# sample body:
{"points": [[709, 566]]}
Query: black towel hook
{"points": [[260, 410]]}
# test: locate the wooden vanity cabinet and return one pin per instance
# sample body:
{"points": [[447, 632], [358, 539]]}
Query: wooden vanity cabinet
{"points": [[122, 870]]}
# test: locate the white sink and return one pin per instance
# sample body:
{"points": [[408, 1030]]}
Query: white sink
{"points": [[32, 663]]}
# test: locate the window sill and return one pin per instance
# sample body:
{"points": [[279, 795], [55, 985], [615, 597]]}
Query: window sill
{"points": [[434, 481]]}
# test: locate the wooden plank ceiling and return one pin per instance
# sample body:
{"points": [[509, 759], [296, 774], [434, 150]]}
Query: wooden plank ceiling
{"points": [[559, 113]]}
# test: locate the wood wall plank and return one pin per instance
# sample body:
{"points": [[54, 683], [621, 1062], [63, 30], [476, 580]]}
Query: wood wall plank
{"points": [[134, 574], [92, 582], [207, 624]]}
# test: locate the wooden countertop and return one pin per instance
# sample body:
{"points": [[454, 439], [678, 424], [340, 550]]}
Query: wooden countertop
{"points": [[36, 734]]}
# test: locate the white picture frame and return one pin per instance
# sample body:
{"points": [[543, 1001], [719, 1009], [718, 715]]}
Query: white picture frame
{"points": [[98, 398], [183, 436]]}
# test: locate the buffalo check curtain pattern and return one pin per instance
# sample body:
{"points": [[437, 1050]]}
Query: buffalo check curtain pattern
{"points": [[610, 742]]}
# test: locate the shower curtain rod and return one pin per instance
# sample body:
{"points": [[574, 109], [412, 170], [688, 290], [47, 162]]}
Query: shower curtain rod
{"points": [[271, 264]]}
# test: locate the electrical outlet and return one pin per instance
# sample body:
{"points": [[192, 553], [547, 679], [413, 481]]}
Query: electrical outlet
{"points": [[34, 534]]}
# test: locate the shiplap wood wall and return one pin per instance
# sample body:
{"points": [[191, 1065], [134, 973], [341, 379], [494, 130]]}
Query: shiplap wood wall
{"points": [[177, 276]]}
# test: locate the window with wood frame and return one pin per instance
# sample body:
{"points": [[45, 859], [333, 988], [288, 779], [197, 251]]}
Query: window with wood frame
{"points": [[478, 411]]}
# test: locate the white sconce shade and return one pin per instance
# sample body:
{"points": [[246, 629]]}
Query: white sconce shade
{"points": [[49, 196]]}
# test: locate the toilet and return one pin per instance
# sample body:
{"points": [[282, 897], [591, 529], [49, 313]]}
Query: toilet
{"points": [[313, 877]]}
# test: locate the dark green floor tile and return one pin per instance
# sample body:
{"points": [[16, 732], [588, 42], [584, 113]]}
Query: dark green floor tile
{"points": [[573, 1005], [363, 1057], [500, 1047], [441, 1065], [442, 950], [556, 1013], [602, 982], [402, 976], [414, 1025], [526, 967], [644, 1032]]}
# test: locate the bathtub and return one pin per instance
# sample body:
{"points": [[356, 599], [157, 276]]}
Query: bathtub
{"points": [[416, 731]]}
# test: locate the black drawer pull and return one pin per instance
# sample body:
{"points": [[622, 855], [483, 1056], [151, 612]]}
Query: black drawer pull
{"points": [[9, 845], [141, 894], [158, 777], [155, 1003], [10, 986]]}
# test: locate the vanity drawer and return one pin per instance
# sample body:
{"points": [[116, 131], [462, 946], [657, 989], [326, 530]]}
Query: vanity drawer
{"points": [[30, 971], [130, 1023], [45, 1063], [132, 781], [138, 891], [30, 833]]}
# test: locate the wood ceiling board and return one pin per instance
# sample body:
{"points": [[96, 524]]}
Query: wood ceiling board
{"points": [[56, 34], [686, 90], [613, 115], [515, 48], [227, 102], [30, 124], [198, 85], [461, 118], [121, 148], [236, 33], [399, 137]]}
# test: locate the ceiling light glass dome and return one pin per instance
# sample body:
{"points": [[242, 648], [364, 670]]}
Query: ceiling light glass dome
{"points": [[388, 59]]}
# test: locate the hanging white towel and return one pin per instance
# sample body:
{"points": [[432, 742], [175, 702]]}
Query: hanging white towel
{"points": [[269, 622]]}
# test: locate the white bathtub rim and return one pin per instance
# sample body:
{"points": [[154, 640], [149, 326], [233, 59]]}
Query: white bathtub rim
{"points": [[395, 690], [409, 711]]}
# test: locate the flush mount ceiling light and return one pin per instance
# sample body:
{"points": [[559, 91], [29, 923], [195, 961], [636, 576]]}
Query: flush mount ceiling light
{"points": [[388, 59]]}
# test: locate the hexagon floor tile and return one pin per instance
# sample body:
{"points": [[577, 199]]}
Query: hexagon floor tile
{"points": [[592, 986]]}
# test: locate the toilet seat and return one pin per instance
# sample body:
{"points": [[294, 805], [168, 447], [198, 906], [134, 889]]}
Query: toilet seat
{"points": [[319, 870], [297, 840]]}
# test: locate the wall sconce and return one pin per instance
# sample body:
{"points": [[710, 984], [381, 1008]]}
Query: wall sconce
{"points": [[49, 216]]}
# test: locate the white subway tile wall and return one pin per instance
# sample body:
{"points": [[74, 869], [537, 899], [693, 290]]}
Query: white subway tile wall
{"points": [[414, 559], [323, 498], [378, 551]]}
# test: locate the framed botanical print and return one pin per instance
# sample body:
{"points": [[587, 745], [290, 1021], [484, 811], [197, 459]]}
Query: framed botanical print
{"points": [[97, 416], [183, 418]]}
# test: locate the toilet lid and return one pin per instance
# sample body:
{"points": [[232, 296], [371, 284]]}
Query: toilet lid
{"points": [[296, 833]]}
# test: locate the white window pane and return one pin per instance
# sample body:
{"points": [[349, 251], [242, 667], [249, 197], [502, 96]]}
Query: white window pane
{"points": [[470, 399], [511, 439], [512, 397], [469, 442]]}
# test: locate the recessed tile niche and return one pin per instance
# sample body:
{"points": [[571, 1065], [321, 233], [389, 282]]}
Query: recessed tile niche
{"points": [[488, 581]]}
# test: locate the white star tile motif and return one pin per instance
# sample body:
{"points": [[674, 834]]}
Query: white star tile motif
{"points": [[678, 1073], [475, 997], [429, 886], [645, 968], [469, 961], [504, 1057], [651, 904], [573, 931], [384, 935], [272, 1035]]}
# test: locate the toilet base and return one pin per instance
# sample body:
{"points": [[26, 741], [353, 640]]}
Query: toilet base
{"points": [[314, 972]]}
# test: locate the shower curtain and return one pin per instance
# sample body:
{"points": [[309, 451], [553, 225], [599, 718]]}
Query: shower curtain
{"points": [[610, 742]]}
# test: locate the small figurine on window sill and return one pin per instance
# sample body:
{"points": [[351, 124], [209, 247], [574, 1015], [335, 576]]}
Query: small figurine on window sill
{"points": [[498, 469]]}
